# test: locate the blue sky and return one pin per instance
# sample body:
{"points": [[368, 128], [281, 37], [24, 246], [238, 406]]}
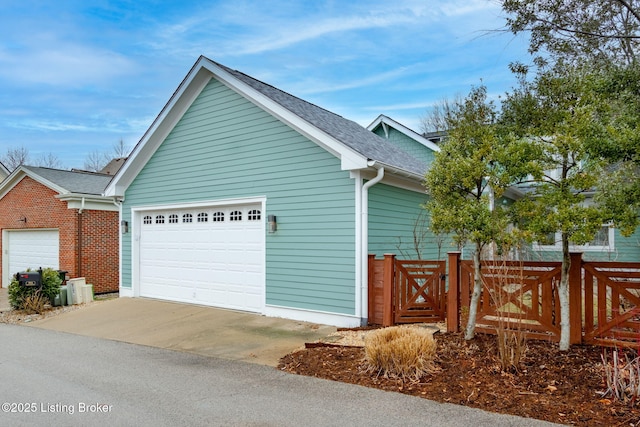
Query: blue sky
{"points": [[76, 76]]}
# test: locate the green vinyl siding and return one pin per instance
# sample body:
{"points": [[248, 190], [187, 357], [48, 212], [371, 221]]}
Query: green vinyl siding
{"points": [[225, 147], [407, 144], [394, 215], [625, 249]]}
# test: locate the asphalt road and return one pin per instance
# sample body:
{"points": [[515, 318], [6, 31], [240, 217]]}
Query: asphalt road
{"points": [[50, 378]]}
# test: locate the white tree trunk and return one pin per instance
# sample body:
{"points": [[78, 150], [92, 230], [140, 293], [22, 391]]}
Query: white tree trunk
{"points": [[475, 295], [563, 296]]}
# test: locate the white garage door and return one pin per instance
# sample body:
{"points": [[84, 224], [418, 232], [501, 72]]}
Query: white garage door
{"points": [[211, 256], [30, 249]]}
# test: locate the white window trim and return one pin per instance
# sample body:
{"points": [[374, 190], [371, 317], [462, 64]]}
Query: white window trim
{"points": [[582, 248]]}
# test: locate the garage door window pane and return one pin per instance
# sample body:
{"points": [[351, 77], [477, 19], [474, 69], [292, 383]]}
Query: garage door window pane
{"points": [[203, 217], [147, 220], [159, 219], [217, 217], [235, 216], [173, 219], [254, 215], [187, 218]]}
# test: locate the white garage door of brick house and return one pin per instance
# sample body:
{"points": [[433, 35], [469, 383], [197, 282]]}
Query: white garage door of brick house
{"points": [[208, 255], [23, 249]]}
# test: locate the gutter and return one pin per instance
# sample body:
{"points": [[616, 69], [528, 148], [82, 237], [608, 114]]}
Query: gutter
{"points": [[364, 232]]}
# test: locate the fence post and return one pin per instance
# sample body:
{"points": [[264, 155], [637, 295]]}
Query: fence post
{"points": [[453, 294], [388, 276], [371, 258], [575, 298]]}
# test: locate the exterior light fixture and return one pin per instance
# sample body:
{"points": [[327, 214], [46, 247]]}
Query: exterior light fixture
{"points": [[272, 225], [124, 226]]}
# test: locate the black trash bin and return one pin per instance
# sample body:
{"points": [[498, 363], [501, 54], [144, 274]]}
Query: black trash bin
{"points": [[63, 276]]}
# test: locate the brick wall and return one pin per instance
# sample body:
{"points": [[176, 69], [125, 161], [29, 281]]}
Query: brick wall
{"points": [[99, 255], [38, 204]]}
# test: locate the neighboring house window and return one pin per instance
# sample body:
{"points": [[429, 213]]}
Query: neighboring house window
{"points": [[173, 219], [235, 216], [203, 217], [147, 219], [603, 242], [253, 215], [159, 219], [217, 217], [187, 218]]}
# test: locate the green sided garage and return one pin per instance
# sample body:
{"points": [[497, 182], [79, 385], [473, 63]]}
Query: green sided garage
{"points": [[243, 196]]}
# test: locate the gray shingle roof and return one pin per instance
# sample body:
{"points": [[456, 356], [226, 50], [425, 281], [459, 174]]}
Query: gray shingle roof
{"points": [[346, 131], [72, 181]]}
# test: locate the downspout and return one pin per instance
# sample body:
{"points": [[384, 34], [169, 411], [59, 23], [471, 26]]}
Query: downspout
{"points": [[79, 244], [118, 203], [364, 232]]}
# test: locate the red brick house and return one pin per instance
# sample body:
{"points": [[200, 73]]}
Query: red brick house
{"points": [[59, 219]]}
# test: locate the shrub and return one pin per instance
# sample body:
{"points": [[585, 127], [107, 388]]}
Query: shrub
{"points": [[51, 282], [400, 352]]}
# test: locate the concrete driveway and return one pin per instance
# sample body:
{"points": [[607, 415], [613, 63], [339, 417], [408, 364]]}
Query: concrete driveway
{"points": [[190, 328]]}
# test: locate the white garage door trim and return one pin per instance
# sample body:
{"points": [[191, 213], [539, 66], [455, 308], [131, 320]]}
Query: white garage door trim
{"points": [[159, 261], [29, 248]]}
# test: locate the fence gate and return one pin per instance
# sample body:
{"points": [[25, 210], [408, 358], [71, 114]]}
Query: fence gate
{"points": [[420, 291], [402, 291]]}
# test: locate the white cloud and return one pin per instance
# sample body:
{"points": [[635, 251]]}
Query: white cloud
{"points": [[62, 63], [307, 87]]}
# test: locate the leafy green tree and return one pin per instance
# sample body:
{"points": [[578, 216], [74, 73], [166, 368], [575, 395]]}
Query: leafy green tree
{"points": [[619, 89], [474, 167], [579, 30], [559, 114]]}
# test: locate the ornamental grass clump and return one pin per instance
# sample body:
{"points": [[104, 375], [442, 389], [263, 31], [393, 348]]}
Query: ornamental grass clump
{"points": [[34, 303], [406, 353]]}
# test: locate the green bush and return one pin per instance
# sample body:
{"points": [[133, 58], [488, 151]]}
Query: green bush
{"points": [[51, 282]]}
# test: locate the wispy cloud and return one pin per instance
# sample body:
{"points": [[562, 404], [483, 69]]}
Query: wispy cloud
{"points": [[308, 87], [62, 63]]}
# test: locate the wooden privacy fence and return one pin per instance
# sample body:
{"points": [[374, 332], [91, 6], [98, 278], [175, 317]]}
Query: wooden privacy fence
{"points": [[604, 297], [402, 291]]}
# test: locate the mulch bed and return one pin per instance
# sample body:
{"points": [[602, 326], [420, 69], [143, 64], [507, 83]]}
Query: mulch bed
{"points": [[551, 385]]}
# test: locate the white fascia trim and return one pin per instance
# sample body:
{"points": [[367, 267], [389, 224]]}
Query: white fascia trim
{"points": [[88, 201], [382, 119], [397, 181], [350, 159], [312, 316]]}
